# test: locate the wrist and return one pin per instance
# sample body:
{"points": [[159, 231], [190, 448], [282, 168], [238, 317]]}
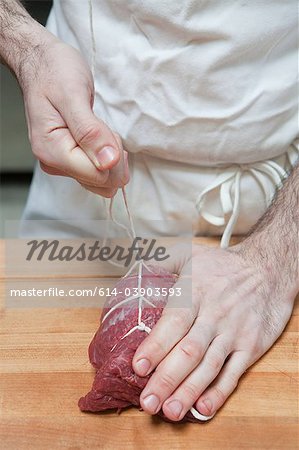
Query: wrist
{"points": [[22, 43], [270, 256]]}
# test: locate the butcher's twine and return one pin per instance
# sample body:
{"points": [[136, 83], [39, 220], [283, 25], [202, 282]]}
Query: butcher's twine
{"points": [[129, 230], [141, 326]]}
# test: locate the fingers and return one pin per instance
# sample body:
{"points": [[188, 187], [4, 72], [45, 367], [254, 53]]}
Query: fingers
{"points": [[184, 357], [170, 328], [177, 405], [113, 182], [65, 134], [102, 146], [214, 397], [104, 192], [174, 323], [55, 146], [91, 134], [64, 154], [119, 174]]}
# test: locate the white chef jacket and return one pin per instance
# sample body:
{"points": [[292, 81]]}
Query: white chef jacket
{"points": [[204, 96]]}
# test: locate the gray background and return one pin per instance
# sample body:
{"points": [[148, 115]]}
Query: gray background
{"points": [[16, 159]]}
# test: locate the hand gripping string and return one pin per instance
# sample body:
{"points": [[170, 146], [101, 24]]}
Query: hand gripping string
{"points": [[141, 326]]}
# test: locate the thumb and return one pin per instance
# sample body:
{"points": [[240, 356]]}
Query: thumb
{"points": [[92, 135]]}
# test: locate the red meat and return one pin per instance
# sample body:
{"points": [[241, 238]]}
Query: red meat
{"points": [[116, 385]]}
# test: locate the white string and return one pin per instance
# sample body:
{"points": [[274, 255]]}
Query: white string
{"points": [[141, 326], [92, 36], [127, 300], [129, 230], [228, 182], [235, 212], [199, 416], [293, 153]]}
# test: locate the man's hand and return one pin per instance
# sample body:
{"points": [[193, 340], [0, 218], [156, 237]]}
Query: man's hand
{"points": [[66, 136], [201, 352], [242, 299]]}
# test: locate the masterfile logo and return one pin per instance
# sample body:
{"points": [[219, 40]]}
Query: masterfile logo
{"points": [[140, 249]]}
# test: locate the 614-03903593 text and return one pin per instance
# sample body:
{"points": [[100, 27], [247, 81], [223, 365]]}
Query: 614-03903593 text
{"points": [[96, 291]]}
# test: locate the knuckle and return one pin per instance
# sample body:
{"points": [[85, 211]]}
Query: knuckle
{"points": [[99, 180], [255, 343], [255, 346], [219, 313], [220, 395], [155, 348], [191, 348], [86, 134], [233, 378], [181, 320], [215, 362], [166, 381], [70, 89], [150, 348], [191, 391]]}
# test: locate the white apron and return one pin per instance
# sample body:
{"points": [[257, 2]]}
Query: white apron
{"points": [[204, 97]]}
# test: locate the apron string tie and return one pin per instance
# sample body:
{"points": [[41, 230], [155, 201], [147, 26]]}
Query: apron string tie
{"points": [[228, 183]]}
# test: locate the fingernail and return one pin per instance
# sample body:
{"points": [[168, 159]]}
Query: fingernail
{"points": [[143, 366], [151, 402], [106, 156], [175, 407], [207, 404]]}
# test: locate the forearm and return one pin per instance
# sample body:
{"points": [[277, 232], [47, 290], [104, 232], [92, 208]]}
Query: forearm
{"points": [[274, 241], [21, 37]]}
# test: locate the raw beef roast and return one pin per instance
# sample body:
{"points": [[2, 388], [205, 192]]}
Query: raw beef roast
{"points": [[116, 385]]}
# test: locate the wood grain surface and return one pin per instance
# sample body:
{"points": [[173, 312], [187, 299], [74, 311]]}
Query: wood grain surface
{"points": [[45, 369]]}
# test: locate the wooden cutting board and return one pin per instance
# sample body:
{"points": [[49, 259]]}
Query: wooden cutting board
{"points": [[45, 369]]}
